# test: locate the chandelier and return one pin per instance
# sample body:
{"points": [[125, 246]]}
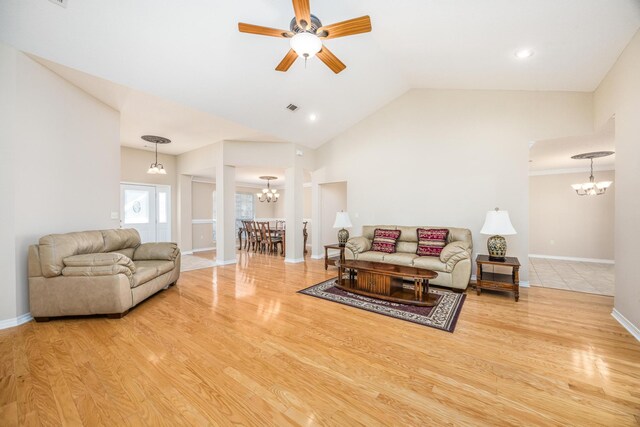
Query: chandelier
{"points": [[268, 194], [592, 188], [156, 168]]}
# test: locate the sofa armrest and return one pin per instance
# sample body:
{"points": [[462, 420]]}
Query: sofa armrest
{"points": [[454, 252], [156, 251], [99, 260], [358, 245]]}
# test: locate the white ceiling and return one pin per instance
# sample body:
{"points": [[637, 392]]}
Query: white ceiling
{"points": [[144, 114], [192, 53], [555, 154]]}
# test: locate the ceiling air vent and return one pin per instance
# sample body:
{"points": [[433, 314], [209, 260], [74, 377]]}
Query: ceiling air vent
{"points": [[62, 3], [290, 107]]}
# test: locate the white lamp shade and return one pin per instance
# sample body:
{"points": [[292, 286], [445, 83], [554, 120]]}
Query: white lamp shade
{"points": [[306, 44], [342, 220], [497, 222]]}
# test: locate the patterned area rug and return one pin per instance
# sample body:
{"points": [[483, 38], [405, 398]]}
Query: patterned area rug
{"points": [[442, 316]]}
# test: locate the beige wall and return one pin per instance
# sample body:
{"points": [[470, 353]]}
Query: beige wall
{"points": [[333, 198], [446, 157], [561, 223], [134, 166], [60, 166], [202, 209], [619, 94], [202, 199]]}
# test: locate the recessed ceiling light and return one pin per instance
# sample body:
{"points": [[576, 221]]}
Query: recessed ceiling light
{"points": [[524, 53], [313, 117]]}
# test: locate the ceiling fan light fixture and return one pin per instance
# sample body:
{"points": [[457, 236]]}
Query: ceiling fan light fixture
{"points": [[524, 53], [306, 44]]}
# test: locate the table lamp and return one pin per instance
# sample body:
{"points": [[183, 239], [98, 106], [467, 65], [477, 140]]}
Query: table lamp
{"points": [[496, 224], [342, 222]]}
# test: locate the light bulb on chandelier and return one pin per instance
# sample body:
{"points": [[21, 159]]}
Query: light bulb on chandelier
{"points": [[268, 194], [592, 188], [156, 168]]}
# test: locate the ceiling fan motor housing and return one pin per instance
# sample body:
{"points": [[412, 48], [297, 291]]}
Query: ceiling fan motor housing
{"points": [[315, 24]]}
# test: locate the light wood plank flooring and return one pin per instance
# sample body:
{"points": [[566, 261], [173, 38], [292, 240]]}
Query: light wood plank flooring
{"points": [[237, 345]]}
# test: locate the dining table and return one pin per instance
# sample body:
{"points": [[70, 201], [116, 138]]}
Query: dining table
{"points": [[276, 232]]}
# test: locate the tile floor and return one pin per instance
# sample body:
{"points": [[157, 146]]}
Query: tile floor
{"points": [[587, 277]]}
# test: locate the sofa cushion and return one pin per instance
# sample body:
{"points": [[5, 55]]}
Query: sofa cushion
{"points": [[430, 263], [156, 251], [400, 258], [99, 270], [99, 259], [385, 240], [408, 247], [128, 252], [116, 239], [56, 247], [149, 270], [372, 256], [431, 241]]}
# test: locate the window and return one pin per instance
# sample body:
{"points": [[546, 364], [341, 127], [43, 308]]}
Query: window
{"points": [[244, 208]]}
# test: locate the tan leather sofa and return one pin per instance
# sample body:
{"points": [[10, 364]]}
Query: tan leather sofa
{"points": [[97, 272], [453, 265]]}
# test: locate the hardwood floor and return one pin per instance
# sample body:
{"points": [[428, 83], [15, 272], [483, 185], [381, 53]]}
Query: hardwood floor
{"points": [[238, 345]]}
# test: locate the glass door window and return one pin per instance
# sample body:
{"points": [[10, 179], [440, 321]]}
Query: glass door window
{"points": [[147, 208]]}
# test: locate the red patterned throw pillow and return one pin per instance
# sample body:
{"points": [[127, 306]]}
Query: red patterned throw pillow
{"points": [[385, 240], [431, 241]]}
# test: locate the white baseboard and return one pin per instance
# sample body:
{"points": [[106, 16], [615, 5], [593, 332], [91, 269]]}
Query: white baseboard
{"points": [[317, 256], [523, 283], [213, 248], [293, 260], [570, 258], [633, 330], [186, 252], [16, 321], [227, 262]]}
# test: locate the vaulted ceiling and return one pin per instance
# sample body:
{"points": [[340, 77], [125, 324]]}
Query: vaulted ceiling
{"points": [[192, 53]]}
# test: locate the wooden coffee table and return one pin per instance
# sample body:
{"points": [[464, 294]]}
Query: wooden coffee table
{"points": [[384, 281]]}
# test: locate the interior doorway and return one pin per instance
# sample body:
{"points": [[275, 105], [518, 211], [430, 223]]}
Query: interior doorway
{"points": [[147, 208], [333, 199], [572, 212]]}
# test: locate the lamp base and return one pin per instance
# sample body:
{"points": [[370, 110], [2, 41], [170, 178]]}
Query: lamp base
{"points": [[343, 236], [497, 247]]}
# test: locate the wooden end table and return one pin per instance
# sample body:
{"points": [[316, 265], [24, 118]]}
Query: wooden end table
{"points": [[498, 281], [334, 259]]}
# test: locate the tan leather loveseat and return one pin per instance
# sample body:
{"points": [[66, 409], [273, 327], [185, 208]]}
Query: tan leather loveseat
{"points": [[453, 265], [97, 272]]}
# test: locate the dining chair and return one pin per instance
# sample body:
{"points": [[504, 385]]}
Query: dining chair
{"points": [[270, 239], [252, 238], [305, 233]]}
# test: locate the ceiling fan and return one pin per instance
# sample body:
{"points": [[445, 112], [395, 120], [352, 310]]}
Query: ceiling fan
{"points": [[307, 33]]}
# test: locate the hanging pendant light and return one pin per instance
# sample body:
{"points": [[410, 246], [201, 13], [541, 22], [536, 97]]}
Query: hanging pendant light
{"points": [[268, 194], [592, 188], [156, 168]]}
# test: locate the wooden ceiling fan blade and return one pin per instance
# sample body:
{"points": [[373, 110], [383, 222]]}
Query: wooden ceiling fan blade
{"points": [[302, 11], [263, 31], [345, 28], [330, 60], [287, 61]]}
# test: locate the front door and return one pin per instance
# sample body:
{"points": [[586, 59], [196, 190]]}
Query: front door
{"points": [[147, 208]]}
